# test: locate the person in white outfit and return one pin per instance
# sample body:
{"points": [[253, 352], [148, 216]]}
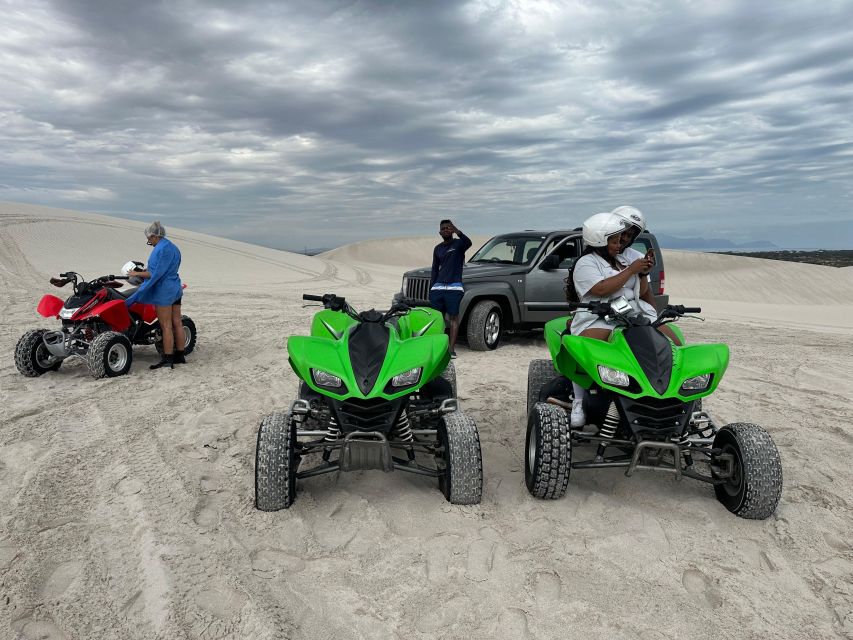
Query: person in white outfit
{"points": [[604, 273], [635, 224]]}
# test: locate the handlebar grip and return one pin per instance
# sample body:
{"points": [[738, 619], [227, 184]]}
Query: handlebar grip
{"points": [[308, 296], [67, 274], [680, 309]]}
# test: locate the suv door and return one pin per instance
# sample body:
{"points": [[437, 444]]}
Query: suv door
{"points": [[547, 286]]}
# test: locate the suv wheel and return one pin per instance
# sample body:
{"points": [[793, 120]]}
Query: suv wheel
{"points": [[485, 325]]}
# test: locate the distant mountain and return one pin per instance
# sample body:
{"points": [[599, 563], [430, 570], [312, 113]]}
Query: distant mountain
{"points": [[674, 242]]}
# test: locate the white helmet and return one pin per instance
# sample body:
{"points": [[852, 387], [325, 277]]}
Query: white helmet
{"points": [[599, 227], [130, 266], [632, 216]]}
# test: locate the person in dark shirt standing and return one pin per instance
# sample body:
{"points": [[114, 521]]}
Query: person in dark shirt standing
{"points": [[446, 291]]}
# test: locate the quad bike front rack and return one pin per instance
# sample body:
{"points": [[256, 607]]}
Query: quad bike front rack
{"points": [[367, 450], [647, 455]]}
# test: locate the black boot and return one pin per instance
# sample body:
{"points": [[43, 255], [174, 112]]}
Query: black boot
{"points": [[179, 357], [166, 361]]}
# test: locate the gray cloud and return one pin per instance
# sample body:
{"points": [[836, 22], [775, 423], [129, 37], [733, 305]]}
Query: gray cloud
{"points": [[323, 122]]}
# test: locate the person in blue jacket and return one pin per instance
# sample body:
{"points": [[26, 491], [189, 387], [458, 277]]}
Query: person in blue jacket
{"points": [[446, 290], [161, 287]]}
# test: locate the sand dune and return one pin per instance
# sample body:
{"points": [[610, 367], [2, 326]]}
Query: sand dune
{"points": [[127, 503], [55, 240], [406, 253]]}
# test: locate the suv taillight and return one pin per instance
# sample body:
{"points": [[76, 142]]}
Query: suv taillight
{"points": [[661, 283]]}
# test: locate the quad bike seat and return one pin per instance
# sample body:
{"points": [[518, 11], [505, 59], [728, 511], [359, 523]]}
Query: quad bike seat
{"points": [[124, 293]]}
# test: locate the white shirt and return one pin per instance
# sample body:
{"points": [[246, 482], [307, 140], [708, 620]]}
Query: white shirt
{"points": [[592, 269]]}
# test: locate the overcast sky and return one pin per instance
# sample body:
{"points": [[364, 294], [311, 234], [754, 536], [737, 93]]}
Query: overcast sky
{"points": [[317, 123]]}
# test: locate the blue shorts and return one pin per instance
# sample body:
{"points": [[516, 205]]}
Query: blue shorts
{"points": [[446, 300]]}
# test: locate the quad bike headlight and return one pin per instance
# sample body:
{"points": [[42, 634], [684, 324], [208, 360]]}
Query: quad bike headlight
{"points": [[406, 379], [697, 383], [405, 282], [613, 377], [325, 379]]}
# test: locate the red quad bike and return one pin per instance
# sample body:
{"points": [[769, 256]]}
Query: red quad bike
{"points": [[96, 325]]}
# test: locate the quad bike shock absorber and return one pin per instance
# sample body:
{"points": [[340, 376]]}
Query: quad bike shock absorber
{"points": [[333, 433], [403, 432], [608, 429], [682, 441], [610, 423]]}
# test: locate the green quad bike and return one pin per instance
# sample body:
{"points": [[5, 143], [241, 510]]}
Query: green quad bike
{"points": [[372, 385], [645, 398]]}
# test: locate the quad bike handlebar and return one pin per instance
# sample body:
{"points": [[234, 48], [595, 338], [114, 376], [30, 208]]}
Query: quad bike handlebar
{"points": [[670, 313], [681, 309], [81, 284], [339, 303]]}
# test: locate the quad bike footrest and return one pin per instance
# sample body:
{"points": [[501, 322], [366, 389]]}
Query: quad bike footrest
{"points": [[363, 450]]}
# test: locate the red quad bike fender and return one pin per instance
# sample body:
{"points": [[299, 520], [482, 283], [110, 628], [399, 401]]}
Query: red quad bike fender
{"points": [[50, 306], [114, 313], [148, 312]]}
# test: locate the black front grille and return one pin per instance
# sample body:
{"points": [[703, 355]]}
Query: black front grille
{"points": [[661, 416], [375, 414], [418, 289]]}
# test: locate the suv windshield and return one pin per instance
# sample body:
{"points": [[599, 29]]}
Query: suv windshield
{"points": [[517, 249]]}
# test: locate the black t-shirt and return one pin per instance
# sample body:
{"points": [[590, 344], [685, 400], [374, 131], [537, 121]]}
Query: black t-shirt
{"points": [[448, 259]]}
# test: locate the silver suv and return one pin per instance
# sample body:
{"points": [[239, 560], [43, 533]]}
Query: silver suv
{"points": [[513, 278]]}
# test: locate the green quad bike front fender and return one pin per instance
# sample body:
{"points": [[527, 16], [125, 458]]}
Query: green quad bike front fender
{"points": [[579, 359], [419, 342]]}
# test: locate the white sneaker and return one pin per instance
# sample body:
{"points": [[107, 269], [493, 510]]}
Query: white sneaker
{"points": [[578, 416]]}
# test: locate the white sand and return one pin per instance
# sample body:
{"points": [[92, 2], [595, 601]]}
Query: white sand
{"points": [[127, 503]]}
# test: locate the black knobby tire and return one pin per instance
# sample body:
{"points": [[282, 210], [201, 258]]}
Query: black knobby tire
{"points": [[461, 460], [109, 355], [539, 373], [275, 462], [485, 326], [32, 357], [756, 487], [548, 451], [449, 374], [190, 336]]}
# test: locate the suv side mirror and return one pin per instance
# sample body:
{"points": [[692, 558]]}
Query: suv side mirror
{"points": [[551, 262]]}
